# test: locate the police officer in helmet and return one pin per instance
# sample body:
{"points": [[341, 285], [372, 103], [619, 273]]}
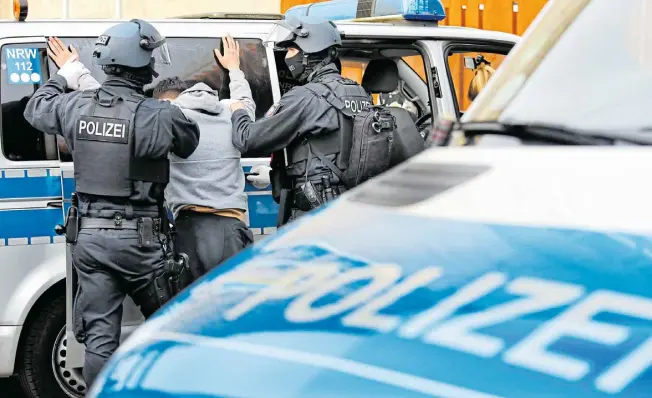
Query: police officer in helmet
{"points": [[119, 140], [308, 131]]}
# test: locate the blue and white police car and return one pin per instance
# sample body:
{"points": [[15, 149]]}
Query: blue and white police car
{"points": [[36, 177], [518, 265]]}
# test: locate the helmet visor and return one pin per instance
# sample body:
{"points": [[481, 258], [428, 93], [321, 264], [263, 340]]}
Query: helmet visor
{"points": [[162, 55], [280, 37]]}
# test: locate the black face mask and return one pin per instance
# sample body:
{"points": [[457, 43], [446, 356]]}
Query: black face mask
{"points": [[296, 66]]}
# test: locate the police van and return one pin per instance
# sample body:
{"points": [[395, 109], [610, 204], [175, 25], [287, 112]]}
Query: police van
{"points": [[400, 41]]}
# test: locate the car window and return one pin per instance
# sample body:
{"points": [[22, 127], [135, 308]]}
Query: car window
{"points": [[466, 79], [19, 81], [416, 63], [193, 60], [354, 69]]}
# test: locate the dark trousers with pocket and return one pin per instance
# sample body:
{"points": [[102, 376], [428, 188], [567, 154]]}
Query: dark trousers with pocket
{"points": [[111, 264], [209, 239]]}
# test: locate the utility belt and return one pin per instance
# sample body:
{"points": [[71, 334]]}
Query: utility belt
{"points": [[148, 228], [311, 194], [176, 275]]}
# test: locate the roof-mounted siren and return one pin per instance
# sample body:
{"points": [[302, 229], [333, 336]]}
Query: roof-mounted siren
{"points": [[373, 10]]}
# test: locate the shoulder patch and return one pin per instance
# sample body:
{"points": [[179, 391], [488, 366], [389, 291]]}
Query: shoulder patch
{"points": [[273, 109]]}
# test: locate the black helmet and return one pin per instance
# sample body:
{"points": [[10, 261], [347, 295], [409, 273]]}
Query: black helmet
{"points": [[311, 35], [131, 44]]}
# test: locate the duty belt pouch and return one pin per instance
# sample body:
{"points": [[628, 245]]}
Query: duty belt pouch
{"points": [[308, 188], [145, 231], [72, 225], [311, 194]]}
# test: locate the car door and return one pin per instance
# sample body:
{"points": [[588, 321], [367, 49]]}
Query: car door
{"points": [[451, 59], [30, 190]]}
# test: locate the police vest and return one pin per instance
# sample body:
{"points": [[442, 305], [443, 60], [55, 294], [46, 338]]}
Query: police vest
{"points": [[349, 98], [104, 146]]}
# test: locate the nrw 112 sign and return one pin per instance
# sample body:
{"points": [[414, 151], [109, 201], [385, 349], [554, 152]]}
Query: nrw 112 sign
{"points": [[23, 66]]}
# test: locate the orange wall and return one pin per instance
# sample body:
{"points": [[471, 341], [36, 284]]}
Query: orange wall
{"points": [[285, 4], [504, 15]]}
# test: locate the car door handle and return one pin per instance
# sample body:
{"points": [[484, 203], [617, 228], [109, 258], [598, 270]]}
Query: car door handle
{"points": [[57, 204]]}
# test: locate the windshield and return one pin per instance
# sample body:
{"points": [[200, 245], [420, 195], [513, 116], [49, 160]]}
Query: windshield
{"points": [[596, 76]]}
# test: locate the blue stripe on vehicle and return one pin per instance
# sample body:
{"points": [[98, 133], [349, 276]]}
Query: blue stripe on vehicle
{"points": [[28, 223], [18, 184], [24, 225], [68, 187], [263, 211]]}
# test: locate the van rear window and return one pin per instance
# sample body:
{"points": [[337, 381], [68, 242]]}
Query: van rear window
{"points": [[22, 73], [192, 60]]}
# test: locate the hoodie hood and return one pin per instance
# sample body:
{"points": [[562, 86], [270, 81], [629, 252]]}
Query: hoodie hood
{"points": [[201, 98]]}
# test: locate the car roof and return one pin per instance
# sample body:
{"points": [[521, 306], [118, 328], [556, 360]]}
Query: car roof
{"points": [[200, 27]]}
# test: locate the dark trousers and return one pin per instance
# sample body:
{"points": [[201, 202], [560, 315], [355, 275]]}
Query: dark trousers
{"points": [[209, 239], [111, 264]]}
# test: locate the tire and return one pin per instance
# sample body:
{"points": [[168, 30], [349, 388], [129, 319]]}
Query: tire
{"points": [[41, 358]]}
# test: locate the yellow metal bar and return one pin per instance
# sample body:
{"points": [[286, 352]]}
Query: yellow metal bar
{"points": [[231, 15]]}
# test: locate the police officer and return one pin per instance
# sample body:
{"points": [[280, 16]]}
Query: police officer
{"points": [[309, 130], [119, 141]]}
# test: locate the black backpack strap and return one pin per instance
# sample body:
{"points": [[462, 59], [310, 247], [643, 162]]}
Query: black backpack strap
{"points": [[320, 155], [330, 97]]}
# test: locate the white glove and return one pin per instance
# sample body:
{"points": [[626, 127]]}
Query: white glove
{"points": [[78, 77], [261, 180]]}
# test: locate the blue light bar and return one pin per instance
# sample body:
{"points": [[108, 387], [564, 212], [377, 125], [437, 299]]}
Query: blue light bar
{"points": [[331, 10], [413, 10]]}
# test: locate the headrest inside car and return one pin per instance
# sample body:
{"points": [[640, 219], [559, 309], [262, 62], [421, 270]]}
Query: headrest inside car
{"points": [[381, 76]]}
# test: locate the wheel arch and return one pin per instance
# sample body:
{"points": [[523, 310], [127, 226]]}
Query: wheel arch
{"points": [[55, 290]]}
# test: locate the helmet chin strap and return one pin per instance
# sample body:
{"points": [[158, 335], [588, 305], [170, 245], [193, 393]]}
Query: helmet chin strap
{"points": [[315, 68], [152, 63], [123, 72]]}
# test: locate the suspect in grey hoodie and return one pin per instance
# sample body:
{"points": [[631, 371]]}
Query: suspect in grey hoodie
{"points": [[212, 177]]}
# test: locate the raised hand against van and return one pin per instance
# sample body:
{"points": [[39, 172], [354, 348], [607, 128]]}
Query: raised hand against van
{"points": [[230, 59]]}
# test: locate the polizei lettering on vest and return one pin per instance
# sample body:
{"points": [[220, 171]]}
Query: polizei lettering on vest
{"points": [[356, 105], [103, 129]]}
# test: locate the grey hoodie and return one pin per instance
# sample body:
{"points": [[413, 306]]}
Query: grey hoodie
{"points": [[212, 176]]}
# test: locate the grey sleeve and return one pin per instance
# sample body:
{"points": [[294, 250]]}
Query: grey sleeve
{"points": [[88, 82], [241, 91], [45, 109], [78, 76]]}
